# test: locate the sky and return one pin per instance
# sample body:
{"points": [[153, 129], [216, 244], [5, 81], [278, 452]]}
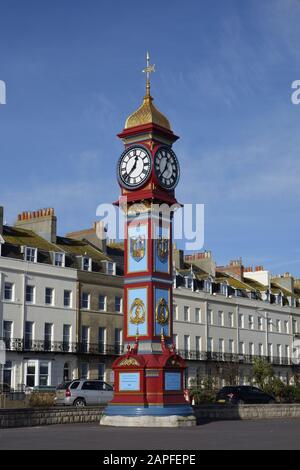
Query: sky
{"points": [[223, 77]]}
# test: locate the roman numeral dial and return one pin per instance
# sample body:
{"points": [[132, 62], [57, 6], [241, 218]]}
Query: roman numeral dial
{"points": [[167, 168], [134, 167]]}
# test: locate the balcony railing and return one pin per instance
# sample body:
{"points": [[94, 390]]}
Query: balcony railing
{"points": [[23, 345], [84, 348], [231, 358]]}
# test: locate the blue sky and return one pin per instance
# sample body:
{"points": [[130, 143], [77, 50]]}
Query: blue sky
{"points": [[224, 74]]}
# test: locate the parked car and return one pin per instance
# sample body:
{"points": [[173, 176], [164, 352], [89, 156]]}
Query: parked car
{"points": [[244, 395], [83, 392]]}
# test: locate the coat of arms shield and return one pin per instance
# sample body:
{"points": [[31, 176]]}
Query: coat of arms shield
{"points": [[138, 247]]}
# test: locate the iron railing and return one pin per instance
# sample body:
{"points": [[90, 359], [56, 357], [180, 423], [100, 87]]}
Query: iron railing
{"points": [[25, 345], [231, 358]]}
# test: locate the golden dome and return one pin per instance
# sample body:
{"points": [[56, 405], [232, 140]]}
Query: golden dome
{"points": [[147, 113]]}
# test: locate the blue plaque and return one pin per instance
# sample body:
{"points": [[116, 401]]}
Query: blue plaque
{"points": [[129, 382], [173, 381]]}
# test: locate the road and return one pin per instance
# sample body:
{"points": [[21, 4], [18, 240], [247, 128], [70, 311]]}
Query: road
{"points": [[277, 434]]}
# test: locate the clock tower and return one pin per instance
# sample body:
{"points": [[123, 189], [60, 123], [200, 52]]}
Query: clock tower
{"points": [[149, 377]]}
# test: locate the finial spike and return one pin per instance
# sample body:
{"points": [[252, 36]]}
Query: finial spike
{"points": [[148, 70]]}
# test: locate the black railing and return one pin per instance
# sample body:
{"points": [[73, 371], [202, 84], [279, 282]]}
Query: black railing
{"points": [[84, 348], [231, 358], [22, 345]]}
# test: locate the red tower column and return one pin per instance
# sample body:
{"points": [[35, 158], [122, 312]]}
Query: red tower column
{"points": [[149, 377]]}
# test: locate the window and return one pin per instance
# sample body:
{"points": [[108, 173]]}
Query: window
{"points": [[59, 259], [102, 303], [44, 374], [261, 349], [251, 349], [286, 327], [260, 324], [101, 339], [287, 351], [8, 333], [209, 317], [110, 268], [295, 327], [86, 263], [223, 289], [241, 347], [28, 334], [175, 311], [251, 322], [231, 320], [85, 334], [30, 374], [210, 345], [279, 351], [198, 344], [221, 345], [101, 371], [118, 340], [118, 304], [186, 314], [270, 325], [198, 315], [9, 291], [189, 282], [49, 296], [220, 318], [241, 321], [278, 326], [186, 343], [66, 337], [85, 301], [231, 346], [84, 370], [67, 298], [30, 291], [48, 332], [66, 372], [175, 341], [270, 350], [207, 286], [31, 255]]}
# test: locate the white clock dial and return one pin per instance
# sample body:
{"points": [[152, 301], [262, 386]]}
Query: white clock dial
{"points": [[167, 168], [134, 167]]}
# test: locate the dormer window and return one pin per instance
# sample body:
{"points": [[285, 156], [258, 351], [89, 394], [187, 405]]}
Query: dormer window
{"points": [[207, 285], [223, 289], [86, 263], [189, 284], [110, 268], [31, 254], [59, 260]]}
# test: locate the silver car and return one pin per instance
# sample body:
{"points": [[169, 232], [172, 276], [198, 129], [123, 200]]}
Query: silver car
{"points": [[83, 392]]}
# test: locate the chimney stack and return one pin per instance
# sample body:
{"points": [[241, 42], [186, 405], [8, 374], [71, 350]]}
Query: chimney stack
{"points": [[43, 222]]}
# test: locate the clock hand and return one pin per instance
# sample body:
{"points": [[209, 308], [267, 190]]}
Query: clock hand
{"points": [[166, 165], [134, 166], [166, 168]]}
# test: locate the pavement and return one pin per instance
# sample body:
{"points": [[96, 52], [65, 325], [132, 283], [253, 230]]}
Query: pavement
{"points": [[233, 435]]}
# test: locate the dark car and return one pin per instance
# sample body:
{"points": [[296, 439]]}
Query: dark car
{"points": [[244, 396]]}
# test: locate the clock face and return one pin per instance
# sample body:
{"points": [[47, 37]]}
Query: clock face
{"points": [[134, 167], [167, 168]]}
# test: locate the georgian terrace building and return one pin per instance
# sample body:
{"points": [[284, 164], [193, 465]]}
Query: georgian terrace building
{"points": [[58, 297], [227, 316]]}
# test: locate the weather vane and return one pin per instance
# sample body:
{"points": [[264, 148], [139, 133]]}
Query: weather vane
{"points": [[148, 70]]}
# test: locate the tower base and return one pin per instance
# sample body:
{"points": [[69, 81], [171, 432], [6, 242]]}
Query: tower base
{"points": [[145, 421]]}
